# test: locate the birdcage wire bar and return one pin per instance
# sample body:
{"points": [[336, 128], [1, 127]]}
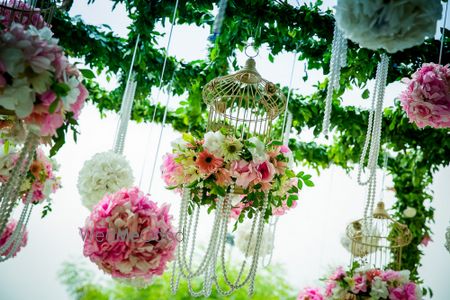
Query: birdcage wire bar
{"points": [[377, 241], [243, 103]]}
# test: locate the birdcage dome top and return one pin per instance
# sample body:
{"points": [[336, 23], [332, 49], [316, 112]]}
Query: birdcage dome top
{"points": [[245, 89]]}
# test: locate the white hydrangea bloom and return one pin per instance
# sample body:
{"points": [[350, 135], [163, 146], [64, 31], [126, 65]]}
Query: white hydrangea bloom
{"points": [[214, 143], [73, 93], [243, 237], [379, 289], [258, 151], [105, 172], [391, 25], [19, 97]]}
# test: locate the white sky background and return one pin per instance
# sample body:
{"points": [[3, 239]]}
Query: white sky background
{"points": [[307, 240]]}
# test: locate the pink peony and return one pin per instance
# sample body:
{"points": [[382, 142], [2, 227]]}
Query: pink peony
{"points": [[7, 233], [310, 294], [426, 100], [265, 171], [244, 172], [127, 235]]}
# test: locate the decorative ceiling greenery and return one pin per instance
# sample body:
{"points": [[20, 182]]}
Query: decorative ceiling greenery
{"points": [[414, 153]]}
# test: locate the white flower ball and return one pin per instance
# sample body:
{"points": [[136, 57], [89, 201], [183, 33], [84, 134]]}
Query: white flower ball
{"points": [[393, 25], [105, 172], [243, 237], [410, 212]]}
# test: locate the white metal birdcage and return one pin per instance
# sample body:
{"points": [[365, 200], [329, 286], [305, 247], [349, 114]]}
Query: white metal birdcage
{"points": [[243, 102], [377, 241], [28, 12]]}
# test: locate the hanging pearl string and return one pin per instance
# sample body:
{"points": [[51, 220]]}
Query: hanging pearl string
{"points": [[373, 135], [218, 21], [10, 191], [161, 77], [338, 61], [443, 33]]}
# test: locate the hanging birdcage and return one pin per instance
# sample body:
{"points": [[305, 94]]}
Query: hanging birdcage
{"points": [[30, 12], [243, 102], [377, 241]]}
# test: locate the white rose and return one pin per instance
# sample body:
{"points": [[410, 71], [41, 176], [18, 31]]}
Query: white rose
{"points": [[214, 143]]}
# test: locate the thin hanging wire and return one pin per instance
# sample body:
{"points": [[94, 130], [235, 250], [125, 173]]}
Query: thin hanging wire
{"points": [[294, 60], [155, 103], [443, 33], [163, 124]]}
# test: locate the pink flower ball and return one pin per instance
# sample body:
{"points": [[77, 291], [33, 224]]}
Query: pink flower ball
{"points": [[310, 294], [128, 236], [426, 100], [7, 233]]}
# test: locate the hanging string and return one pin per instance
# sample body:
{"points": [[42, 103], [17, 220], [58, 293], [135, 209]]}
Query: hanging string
{"points": [[218, 21], [338, 61], [155, 103], [284, 129], [443, 33], [127, 104], [163, 124]]}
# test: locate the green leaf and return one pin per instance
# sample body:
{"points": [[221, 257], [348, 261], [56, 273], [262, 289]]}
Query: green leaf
{"points": [[53, 106], [365, 94], [87, 73]]}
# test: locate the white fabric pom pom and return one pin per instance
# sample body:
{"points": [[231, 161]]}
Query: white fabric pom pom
{"points": [[105, 172], [392, 25], [243, 237]]}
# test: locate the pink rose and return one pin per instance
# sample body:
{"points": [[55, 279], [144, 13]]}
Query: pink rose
{"points": [[360, 284], [284, 149], [266, 171], [244, 172]]}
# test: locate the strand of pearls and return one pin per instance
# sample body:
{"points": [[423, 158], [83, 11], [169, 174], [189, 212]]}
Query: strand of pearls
{"points": [[338, 61], [10, 191], [218, 21], [16, 238], [373, 137], [125, 114]]}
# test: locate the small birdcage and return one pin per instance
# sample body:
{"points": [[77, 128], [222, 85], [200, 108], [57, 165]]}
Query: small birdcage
{"points": [[28, 12], [377, 241], [243, 103]]}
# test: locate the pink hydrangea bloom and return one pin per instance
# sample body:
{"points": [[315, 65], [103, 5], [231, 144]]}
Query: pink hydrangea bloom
{"points": [[7, 233], [79, 104], [150, 241], [426, 100], [310, 294]]}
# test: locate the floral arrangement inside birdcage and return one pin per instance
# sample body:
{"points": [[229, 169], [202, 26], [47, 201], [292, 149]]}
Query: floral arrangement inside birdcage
{"points": [[360, 283], [221, 164], [38, 13]]}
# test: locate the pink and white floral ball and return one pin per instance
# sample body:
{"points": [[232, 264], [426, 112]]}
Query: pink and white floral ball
{"points": [[129, 236], [7, 233], [426, 101]]}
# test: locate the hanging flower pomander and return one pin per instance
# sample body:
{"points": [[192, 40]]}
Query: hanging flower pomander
{"points": [[243, 236], [40, 180], [37, 83], [373, 284], [392, 25], [105, 172], [426, 100], [221, 164], [128, 236], [6, 235]]}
